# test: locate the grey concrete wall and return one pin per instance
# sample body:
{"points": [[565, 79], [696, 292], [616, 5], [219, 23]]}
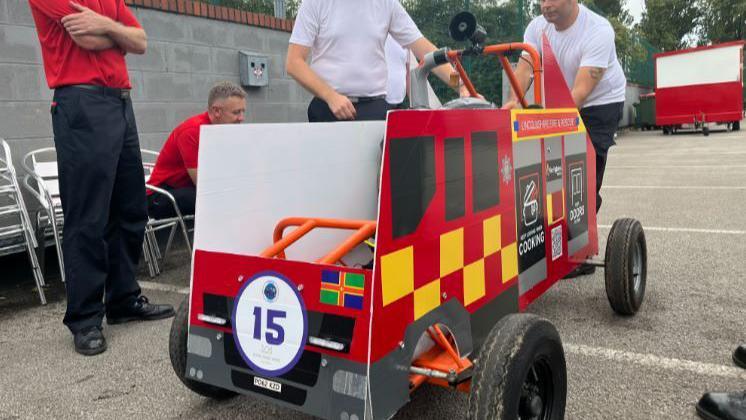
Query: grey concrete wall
{"points": [[186, 55]]}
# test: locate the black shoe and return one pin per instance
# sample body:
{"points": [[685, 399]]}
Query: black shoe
{"points": [[581, 270], [739, 357], [89, 341], [722, 406], [141, 310]]}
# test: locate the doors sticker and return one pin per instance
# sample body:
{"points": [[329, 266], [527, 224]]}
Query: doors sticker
{"points": [[576, 197]]}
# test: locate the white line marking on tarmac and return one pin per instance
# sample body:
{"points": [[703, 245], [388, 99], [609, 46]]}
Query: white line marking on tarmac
{"points": [[676, 166], [656, 362], [686, 230], [673, 187], [647, 360], [643, 152], [149, 285]]}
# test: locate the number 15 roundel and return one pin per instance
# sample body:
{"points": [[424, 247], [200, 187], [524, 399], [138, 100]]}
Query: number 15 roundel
{"points": [[270, 325]]}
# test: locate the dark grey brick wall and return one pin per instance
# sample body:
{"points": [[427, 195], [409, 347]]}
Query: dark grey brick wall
{"points": [[186, 55]]}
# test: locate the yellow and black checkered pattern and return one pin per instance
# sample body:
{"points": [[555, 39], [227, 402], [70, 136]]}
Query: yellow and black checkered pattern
{"points": [[397, 268]]}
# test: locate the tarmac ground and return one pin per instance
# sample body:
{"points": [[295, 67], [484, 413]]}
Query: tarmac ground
{"points": [[689, 192]]}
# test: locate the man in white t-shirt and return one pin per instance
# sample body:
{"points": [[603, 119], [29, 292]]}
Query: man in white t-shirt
{"points": [[348, 72], [396, 85], [583, 43]]}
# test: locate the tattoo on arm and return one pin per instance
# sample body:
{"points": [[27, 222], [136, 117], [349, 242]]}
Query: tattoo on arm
{"points": [[597, 73]]}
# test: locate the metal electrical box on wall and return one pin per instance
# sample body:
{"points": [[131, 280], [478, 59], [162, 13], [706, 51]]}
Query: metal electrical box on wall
{"points": [[254, 69]]}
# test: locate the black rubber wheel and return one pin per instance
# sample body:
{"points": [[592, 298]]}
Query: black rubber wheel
{"points": [[666, 131], [626, 266], [520, 373], [736, 126], [177, 349], [706, 130]]}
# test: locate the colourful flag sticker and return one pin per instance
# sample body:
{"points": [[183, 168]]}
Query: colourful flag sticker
{"points": [[342, 289]]}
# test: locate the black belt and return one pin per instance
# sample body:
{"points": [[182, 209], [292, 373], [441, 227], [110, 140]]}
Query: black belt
{"points": [[360, 99], [103, 90]]}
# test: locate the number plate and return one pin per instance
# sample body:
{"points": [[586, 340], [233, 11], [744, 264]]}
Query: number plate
{"points": [[267, 384]]}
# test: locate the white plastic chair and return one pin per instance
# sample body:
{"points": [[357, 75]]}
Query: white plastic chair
{"points": [[12, 207], [175, 223], [42, 182]]}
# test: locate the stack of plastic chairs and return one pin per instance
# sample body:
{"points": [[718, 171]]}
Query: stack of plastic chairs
{"points": [[16, 231], [42, 182]]}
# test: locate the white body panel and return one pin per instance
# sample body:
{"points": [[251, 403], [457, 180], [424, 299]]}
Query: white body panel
{"points": [[252, 176]]}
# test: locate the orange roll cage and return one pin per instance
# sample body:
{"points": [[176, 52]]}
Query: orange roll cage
{"points": [[499, 50], [364, 229]]}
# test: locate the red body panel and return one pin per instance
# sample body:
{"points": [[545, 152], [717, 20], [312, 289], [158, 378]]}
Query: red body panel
{"points": [[217, 273], [391, 320]]}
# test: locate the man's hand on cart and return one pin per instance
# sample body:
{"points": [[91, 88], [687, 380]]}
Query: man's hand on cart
{"points": [[511, 104], [463, 92]]}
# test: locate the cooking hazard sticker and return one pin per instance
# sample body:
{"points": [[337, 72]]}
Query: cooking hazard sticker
{"points": [[530, 210]]}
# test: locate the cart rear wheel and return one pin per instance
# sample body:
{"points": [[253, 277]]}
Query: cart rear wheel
{"points": [[177, 349], [520, 373], [666, 131], [705, 130], [626, 266], [736, 126]]}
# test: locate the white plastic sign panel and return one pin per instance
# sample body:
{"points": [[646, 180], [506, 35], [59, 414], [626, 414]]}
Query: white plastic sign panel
{"points": [[251, 176], [715, 65], [270, 325]]}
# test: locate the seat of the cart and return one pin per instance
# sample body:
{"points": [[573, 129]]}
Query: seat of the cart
{"points": [[363, 232]]}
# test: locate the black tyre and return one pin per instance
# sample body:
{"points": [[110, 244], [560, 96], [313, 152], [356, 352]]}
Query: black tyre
{"points": [[177, 349], [666, 131], [706, 130], [626, 266], [520, 372], [736, 126]]}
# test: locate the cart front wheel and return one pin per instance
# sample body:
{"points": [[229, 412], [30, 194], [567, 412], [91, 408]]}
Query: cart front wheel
{"points": [[736, 126], [705, 130], [626, 266], [177, 349], [520, 373]]}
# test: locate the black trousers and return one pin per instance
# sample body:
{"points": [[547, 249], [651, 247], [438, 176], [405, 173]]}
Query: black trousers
{"points": [[160, 207], [602, 122], [375, 110], [102, 187]]}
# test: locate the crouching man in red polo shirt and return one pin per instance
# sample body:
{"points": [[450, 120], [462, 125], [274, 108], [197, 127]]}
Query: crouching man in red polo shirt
{"points": [[101, 176], [176, 167]]}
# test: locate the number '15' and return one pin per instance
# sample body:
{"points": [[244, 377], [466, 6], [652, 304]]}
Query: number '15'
{"points": [[275, 334]]}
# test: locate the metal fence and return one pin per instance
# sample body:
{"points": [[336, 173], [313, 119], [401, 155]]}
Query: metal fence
{"points": [[277, 8], [640, 69]]}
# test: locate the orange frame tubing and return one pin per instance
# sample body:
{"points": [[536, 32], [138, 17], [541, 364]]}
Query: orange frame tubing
{"points": [[443, 357], [499, 50], [364, 229]]}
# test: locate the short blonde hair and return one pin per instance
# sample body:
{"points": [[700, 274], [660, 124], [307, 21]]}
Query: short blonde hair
{"points": [[225, 90]]}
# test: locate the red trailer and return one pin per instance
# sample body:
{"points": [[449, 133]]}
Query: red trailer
{"points": [[701, 85]]}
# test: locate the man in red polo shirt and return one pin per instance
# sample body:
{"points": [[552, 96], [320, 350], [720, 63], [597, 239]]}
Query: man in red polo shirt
{"points": [[101, 176], [176, 167]]}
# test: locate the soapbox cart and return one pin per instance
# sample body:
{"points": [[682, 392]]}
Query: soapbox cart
{"points": [[335, 274]]}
